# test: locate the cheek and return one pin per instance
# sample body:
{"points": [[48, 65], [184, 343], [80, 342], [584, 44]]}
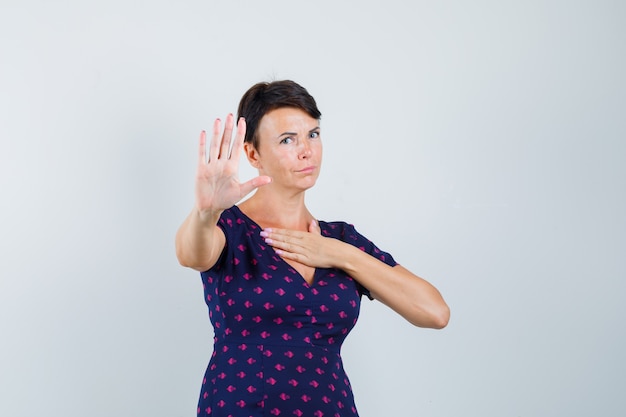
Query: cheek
{"points": [[318, 150], [281, 161]]}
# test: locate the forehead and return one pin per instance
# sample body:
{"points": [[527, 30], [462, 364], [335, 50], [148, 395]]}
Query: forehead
{"points": [[286, 119]]}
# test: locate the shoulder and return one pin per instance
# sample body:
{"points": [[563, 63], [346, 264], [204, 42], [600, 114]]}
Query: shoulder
{"points": [[235, 225], [232, 218], [339, 230], [347, 233], [240, 233]]}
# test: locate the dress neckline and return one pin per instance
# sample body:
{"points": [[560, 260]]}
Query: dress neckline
{"points": [[287, 264]]}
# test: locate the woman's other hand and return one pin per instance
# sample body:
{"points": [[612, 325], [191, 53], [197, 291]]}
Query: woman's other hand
{"points": [[412, 297], [309, 248]]}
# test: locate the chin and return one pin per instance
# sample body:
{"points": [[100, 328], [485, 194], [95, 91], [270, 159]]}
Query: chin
{"points": [[307, 185]]}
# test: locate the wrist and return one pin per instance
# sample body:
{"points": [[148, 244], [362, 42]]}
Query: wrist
{"points": [[346, 254], [208, 217]]}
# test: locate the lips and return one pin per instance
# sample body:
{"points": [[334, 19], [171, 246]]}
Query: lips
{"points": [[307, 170]]}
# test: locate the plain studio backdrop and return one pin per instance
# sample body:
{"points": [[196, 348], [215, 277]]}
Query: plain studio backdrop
{"points": [[481, 143]]}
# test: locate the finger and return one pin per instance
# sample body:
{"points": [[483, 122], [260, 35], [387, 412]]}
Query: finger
{"points": [[248, 186], [226, 138], [289, 251], [288, 236], [239, 139], [281, 233], [214, 150], [202, 149], [292, 256], [281, 244]]}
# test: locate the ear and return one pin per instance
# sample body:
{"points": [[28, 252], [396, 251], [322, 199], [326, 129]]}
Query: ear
{"points": [[252, 154]]}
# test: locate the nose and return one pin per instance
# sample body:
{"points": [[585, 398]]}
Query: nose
{"points": [[305, 150]]}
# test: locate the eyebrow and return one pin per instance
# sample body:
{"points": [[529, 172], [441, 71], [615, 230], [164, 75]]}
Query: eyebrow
{"points": [[296, 133]]}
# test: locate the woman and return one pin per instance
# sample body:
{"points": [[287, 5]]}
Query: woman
{"points": [[283, 289]]}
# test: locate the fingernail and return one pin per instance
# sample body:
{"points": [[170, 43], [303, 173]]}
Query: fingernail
{"points": [[264, 233]]}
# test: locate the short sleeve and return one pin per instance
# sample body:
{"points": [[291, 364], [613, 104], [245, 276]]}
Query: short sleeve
{"points": [[231, 226], [350, 235]]}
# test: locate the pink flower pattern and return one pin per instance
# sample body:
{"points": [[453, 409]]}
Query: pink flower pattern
{"points": [[277, 338]]}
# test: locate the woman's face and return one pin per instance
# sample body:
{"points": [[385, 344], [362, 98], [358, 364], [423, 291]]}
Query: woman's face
{"points": [[290, 148]]}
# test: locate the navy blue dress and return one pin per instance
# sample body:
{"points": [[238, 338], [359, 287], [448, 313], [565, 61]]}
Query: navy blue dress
{"points": [[277, 338]]}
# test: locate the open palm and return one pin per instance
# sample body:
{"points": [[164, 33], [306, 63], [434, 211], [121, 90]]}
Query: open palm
{"points": [[217, 183]]}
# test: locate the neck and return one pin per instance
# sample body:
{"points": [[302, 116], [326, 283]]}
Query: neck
{"points": [[270, 209]]}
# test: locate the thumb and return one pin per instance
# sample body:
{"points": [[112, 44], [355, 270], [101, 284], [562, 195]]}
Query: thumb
{"points": [[257, 182]]}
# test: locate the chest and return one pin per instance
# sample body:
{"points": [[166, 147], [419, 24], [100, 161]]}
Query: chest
{"points": [[278, 306], [306, 272]]}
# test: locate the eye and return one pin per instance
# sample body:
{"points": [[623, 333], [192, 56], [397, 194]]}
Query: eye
{"points": [[287, 140], [314, 135]]}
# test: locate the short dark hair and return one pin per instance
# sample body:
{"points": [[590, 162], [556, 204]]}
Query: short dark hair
{"points": [[264, 97]]}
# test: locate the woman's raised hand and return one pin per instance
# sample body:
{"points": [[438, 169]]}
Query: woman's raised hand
{"points": [[217, 183]]}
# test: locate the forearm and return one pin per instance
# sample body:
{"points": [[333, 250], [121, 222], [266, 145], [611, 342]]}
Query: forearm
{"points": [[199, 241], [409, 295]]}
